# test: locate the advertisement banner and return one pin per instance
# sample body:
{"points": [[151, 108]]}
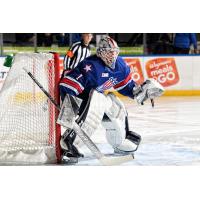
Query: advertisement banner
{"points": [[136, 69], [173, 72], [163, 70]]}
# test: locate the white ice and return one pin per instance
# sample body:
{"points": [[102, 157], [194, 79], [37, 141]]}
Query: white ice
{"points": [[170, 133]]}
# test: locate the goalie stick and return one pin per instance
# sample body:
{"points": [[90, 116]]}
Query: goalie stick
{"points": [[105, 160]]}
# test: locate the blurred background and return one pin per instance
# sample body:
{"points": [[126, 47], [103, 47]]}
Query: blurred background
{"points": [[130, 43]]}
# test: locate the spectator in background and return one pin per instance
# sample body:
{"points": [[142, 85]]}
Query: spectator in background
{"points": [[76, 37], [78, 51], [45, 39], [63, 39], [164, 45], [183, 42], [159, 43], [151, 39], [24, 39]]}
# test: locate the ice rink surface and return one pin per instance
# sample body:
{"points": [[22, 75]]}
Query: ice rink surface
{"points": [[170, 133]]}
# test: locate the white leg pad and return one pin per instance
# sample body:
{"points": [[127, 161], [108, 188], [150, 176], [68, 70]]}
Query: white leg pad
{"points": [[98, 105], [115, 132], [95, 113], [115, 125]]}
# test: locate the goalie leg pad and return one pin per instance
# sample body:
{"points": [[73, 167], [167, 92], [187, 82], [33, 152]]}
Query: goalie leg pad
{"points": [[116, 136], [92, 116], [89, 119], [115, 131], [115, 124], [114, 121], [98, 105]]}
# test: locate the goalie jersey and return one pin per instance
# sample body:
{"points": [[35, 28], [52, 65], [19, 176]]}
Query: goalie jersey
{"points": [[92, 73]]}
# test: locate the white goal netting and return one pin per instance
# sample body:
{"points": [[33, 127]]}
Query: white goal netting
{"points": [[28, 130]]}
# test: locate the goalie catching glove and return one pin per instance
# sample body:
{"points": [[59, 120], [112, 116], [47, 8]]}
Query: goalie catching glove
{"points": [[148, 90]]}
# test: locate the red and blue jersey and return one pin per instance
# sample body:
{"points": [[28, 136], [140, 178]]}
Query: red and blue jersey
{"points": [[92, 73]]}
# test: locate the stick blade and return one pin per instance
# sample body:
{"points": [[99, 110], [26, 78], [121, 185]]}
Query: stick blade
{"points": [[116, 160]]}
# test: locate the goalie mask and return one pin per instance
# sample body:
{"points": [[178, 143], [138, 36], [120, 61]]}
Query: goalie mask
{"points": [[108, 51]]}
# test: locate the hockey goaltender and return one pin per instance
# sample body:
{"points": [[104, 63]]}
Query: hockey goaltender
{"points": [[83, 99]]}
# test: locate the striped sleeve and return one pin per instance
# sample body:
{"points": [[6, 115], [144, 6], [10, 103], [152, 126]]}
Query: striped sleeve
{"points": [[123, 83], [77, 58], [73, 82], [81, 53], [71, 86], [70, 55]]}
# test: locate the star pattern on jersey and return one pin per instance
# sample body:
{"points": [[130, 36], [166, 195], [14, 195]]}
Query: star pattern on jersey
{"points": [[87, 68]]}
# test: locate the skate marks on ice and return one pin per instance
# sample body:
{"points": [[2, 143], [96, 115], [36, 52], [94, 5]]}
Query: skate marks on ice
{"points": [[170, 133]]}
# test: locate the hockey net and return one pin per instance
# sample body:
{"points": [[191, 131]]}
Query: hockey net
{"points": [[28, 130]]}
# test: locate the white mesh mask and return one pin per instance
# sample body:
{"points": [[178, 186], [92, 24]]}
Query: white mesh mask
{"points": [[108, 51]]}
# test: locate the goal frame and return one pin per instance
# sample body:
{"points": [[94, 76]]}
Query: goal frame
{"points": [[48, 151]]}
